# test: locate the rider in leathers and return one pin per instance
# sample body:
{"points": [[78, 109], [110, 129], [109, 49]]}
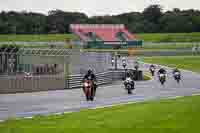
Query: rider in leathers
{"points": [[91, 76], [151, 67], [162, 71], [176, 70], [128, 75]]}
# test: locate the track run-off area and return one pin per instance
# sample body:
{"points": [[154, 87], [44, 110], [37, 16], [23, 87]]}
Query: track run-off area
{"points": [[63, 101]]}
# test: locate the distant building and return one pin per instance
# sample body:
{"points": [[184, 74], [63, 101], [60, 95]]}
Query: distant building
{"points": [[104, 36]]}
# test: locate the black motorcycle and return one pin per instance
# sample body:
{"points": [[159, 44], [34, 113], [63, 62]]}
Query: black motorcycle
{"points": [[112, 62], [177, 76], [129, 85], [162, 78]]}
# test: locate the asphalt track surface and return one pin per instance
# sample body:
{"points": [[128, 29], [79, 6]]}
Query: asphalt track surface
{"points": [[56, 102]]}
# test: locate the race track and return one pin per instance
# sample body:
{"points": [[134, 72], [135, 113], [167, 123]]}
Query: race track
{"points": [[43, 103]]}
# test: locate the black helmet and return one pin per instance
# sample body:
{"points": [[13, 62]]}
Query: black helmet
{"points": [[89, 71], [128, 74]]}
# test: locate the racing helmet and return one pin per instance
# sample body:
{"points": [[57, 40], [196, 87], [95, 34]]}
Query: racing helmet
{"points": [[90, 71]]}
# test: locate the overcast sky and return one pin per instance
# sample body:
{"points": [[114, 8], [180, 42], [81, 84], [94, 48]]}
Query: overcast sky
{"points": [[94, 7]]}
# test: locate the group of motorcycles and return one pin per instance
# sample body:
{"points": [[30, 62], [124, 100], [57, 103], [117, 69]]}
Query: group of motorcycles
{"points": [[89, 87], [162, 75]]}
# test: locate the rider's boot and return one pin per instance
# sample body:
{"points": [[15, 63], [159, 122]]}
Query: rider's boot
{"points": [[87, 98], [95, 88], [92, 98], [129, 91]]}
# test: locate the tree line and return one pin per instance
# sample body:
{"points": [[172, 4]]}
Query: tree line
{"points": [[151, 20]]}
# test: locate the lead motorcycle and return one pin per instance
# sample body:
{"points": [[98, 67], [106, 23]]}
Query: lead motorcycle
{"points": [[129, 85], [177, 76], [87, 89]]}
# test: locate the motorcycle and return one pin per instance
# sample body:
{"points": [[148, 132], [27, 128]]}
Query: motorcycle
{"points": [[152, 70], [129, 85], [124, 65], [87, 89], [136, 66], [112, 62], [162, 78], [177, 76]]}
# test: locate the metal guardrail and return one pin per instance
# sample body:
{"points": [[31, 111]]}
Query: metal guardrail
{"points": [[75, 81], [14, 84]]}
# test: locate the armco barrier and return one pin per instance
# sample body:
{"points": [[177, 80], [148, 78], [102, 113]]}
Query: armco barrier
{"points": [[75, 81], [12, 84]]}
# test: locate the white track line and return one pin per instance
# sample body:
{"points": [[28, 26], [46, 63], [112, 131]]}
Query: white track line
{"points": [[30, 117], [59, 113], [113, 105], [2, 120], [69, 112], [197, 94], [175, 97]]}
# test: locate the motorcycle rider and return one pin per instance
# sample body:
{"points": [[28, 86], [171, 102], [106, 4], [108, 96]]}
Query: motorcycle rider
{"points": [[128, 76], [124, 62], [152, 69], [176, 72], [91, 76], [162, 71], [112, 61], [123, 59], [136, 65]]}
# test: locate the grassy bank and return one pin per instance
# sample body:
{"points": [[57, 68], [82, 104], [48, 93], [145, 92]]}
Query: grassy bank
{"points": [[165, 116], [185, 62]]}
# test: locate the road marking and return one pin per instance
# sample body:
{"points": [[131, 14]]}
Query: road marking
{"points": [[2, 120], [67, 112], [197, 94], [113, 105], [175, 97], [59, 113], [30, 117]]}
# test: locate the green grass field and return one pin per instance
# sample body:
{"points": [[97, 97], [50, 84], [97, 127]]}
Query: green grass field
{"points": [[179, 37], [169, 37], [169, 46], [147, 37], [185, 62], [166, 116], [36, 38]]}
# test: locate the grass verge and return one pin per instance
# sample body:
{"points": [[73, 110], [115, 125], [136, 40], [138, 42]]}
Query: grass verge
{"points": [[147, 76], [169, 37], [165, 116], [185, 62]]}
